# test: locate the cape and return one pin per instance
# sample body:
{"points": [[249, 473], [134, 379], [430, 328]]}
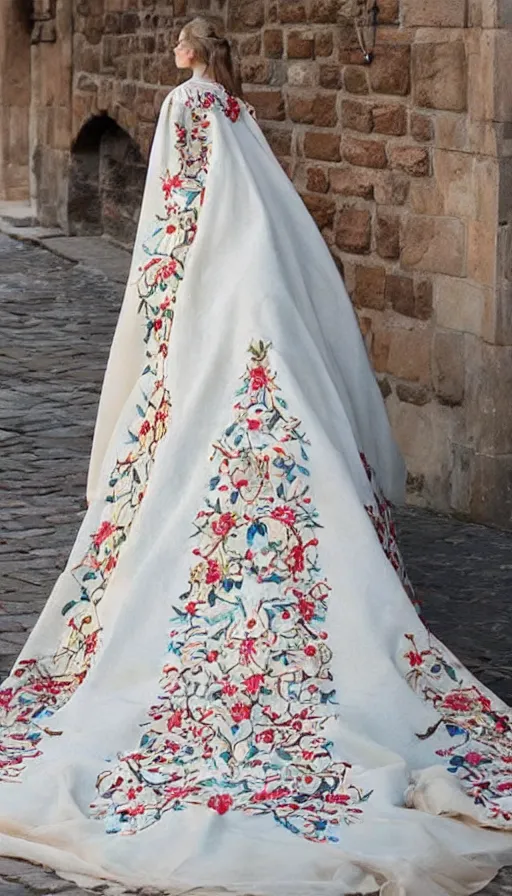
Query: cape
{"points": [[230, 685]]}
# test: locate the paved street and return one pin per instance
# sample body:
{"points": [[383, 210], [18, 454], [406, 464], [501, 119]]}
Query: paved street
{"points": [[57, 320]]}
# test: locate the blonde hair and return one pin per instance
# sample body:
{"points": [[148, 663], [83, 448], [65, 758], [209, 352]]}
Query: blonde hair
{"points": [[215, 52]]}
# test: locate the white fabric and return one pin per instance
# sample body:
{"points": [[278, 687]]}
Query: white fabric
{"points": [[322, 602]]}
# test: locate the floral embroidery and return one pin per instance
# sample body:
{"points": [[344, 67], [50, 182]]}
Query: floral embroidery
{"points": [[380, 512], [480, 728], [247, 701], [39, 686]]}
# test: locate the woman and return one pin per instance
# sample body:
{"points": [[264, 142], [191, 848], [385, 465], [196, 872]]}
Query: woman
{"points": [[231, 669]]}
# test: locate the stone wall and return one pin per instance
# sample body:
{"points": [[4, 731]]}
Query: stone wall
{"points": [[406, 164]]}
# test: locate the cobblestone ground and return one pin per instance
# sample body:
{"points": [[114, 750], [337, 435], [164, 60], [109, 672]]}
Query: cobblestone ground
{"points": [[57, 320]]}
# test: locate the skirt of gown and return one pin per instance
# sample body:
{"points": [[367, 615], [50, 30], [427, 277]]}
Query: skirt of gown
{"points": [[230, 685]]}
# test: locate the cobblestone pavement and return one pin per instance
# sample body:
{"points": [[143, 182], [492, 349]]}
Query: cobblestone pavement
{"points": [[57, 319]]}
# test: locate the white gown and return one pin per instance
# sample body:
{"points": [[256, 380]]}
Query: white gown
{"points": [[229, 686]]}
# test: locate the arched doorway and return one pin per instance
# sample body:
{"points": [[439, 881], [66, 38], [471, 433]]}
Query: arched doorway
{"points": [[106, 182]]}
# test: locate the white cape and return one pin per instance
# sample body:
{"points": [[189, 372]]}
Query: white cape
{"points": [[230, 686]]}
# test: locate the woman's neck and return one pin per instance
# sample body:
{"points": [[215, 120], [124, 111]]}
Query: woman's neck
{"points": [[199, 71]]}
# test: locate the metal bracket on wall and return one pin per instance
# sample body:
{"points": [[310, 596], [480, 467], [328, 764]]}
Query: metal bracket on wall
{"points": [[365, 24]]}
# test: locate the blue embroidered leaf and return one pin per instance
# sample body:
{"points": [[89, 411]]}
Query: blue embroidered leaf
{"points": [[435, 669], [214, 482], [281, 402], [303, 470], [234, 497], [303, 453], [67, 607], [280, 491], [283, 754], [238, 438], [227, 584], [290, 477], [239, 584], [146, 370], [254, 530], [454, 730], [212, 597], [274, 577], [230, 429], [450, 672], [88, 575], [140, 411], [278, 462]]}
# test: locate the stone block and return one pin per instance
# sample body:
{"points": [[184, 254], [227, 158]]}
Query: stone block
{"points": [[273, 43], [317, 180], [448, 367], [390, 70], [413, 394], [246, 14], [291, 11], [434, 244], [324, 11], [322, 209], [453, 173], [322, 146], [389, 11], [387, 235], [434, 13], [330, 76], [350, 182], [355, 80], [414, 160], [488, 391], [356, 116], [300, 45], [391, 188], [460, 305], [353, 231], [408, 297], [301, 108], [491, 490], [421, 127], [439, 74], [370, 290], [365, 153], [389, 119], [268, 104], [452, 132], [279, 138], [481, 253], [255, 71], [324, 44], [405, 353], [302, 74], [425, 198]]}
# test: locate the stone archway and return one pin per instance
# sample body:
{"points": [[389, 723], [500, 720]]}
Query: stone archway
{"points": [[106, 182]]}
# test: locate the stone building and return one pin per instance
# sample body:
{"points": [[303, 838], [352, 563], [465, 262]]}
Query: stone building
{"points": [[406, 164]]}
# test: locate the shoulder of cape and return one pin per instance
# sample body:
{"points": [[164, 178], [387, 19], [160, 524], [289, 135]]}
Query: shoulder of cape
{"points": [[200, 96]]}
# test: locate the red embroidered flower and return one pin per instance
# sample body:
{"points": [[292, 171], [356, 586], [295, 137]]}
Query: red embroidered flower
{"points": [[212, 655], [224, 524], [247, 650], [240, 711], [266, 736], [232, 108], [337, 798], [284, 514], [295, 559], [170, 228], [458, 702], [164, 349], [191, 607], [213, 573], [310, 650], [506, 785], [157, 324], [6, 697], [258, 377], [170, 184], [415, 658], [144, 428], [175, 720], [111, 563], [253, 424], [228, 688], [474, 758], [254, 683], [221, 803], [306, 609], [105, 531]]}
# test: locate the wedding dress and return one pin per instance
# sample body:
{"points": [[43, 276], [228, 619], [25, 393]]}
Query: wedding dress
{"points": [[230, 686]]}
